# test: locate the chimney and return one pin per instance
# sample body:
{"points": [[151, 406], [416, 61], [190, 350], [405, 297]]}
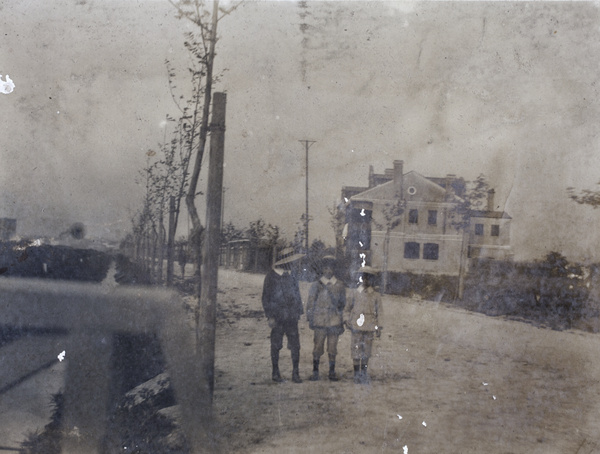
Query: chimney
{"points": [[490, 200], [398, 177]]}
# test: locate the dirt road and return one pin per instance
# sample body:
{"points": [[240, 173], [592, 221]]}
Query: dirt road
{"points": [[443, 381]]}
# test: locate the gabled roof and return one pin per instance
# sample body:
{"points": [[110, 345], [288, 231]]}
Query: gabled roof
{"points": [[424, 189], [385, 191]]}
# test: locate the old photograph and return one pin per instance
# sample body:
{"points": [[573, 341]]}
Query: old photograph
{"points": [[299, 226]]}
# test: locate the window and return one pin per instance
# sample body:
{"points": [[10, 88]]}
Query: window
{"points": [[411, 250], [495, 230], [478, 229], [432, 217], [431, 251], [413, 216]]}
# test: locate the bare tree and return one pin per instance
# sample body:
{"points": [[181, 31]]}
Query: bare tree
{"points": [[196, 112], [392, 214], [337, 222], [473, 199]]}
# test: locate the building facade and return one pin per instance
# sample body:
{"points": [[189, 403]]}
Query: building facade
{"points": [[405, 222]]}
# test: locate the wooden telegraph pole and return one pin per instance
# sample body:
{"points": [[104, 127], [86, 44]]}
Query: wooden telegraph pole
{"points": [[307, 145], [212, 243]]}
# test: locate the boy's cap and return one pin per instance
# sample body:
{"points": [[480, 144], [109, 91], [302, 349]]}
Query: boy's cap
{"points": [[368, 270], [328, 259]]}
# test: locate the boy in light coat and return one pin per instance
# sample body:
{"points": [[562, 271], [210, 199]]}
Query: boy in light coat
{"points": [[363, 316], [326, 301]]}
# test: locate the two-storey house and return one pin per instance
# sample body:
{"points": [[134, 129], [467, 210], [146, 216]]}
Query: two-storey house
{"points": [[405, 222]]}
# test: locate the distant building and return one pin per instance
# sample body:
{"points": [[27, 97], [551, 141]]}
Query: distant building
{"points": [[247, 255], [8, 229], [423, 239]]}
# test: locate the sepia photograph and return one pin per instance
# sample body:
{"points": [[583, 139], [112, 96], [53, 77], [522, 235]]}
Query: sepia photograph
{"points": [[345, 226]]}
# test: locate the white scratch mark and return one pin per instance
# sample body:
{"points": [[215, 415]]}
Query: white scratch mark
{"points": [[361, 243], [364, 259], [405, 448], [484, 383], [361, 320], [399, 417], [61, 355], [362, 212], [7, 86], [494, 397], [345, 200], [424, 424]]}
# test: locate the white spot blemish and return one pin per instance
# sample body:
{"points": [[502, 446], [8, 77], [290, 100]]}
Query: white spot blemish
{"points": [[352, 151], [61, 355], [494, 397], [7, 86], [361, 320], [399, 417], [405, 448], [361, 243], [345, 200], [362, 212], [484, 383], [424, 424]]}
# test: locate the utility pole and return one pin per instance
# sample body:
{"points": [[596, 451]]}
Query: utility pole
{"points": [[307, 145], [212, 245]]}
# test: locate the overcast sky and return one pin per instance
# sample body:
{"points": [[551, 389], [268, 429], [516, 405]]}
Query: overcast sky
{"points": [[509, 90]]}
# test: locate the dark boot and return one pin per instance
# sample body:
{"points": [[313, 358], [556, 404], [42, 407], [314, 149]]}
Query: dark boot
{"points": [[296, 376], [365, 379], [315, 374], [275, 375], [357, 373], [295, 371], [332, 375]]}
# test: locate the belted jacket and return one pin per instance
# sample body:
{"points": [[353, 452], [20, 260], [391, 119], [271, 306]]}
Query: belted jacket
{"points": [[364, 310], [326, 302]]}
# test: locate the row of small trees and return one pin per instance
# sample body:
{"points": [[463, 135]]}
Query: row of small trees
{"points": [[172, 173]]}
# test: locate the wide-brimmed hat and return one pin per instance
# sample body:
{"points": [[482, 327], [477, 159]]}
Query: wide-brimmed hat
{"points": [[328, 259], [287, 255], [368, 270]]}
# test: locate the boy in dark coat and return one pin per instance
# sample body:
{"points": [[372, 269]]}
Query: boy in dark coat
{"points": [[283, 307], [326, 301]]}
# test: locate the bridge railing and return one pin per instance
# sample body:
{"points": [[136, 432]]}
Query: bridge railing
{"points": [[92, 314]]}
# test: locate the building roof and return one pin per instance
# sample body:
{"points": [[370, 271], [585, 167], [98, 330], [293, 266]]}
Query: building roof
{"points": [[426, 189]]}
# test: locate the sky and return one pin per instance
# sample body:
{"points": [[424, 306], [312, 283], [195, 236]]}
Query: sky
{"points": [[508, 90]]}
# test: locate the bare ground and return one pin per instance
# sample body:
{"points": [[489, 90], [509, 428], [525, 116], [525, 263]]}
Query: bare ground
{"points": [[444, 380]]}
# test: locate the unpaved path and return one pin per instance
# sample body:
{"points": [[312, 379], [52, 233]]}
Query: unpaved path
{"points": [[444, 381]]}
